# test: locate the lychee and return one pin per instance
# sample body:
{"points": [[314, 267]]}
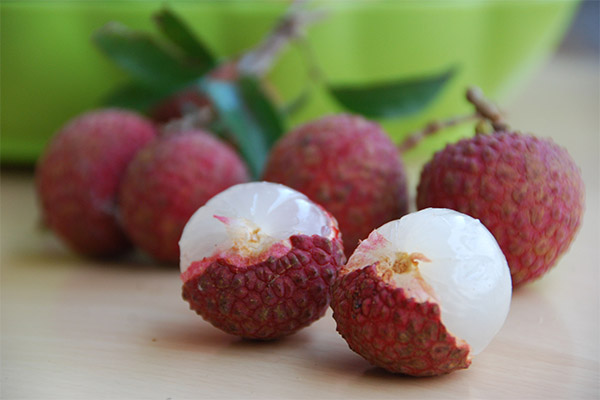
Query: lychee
{"points": [[258, 260], [423, 293], [166, 183], [526, 190], [348, 165], [79, 173]]}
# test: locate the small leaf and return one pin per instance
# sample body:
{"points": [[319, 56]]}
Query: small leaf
{"points": [[143, 58], [182, 36], [248, 115], [134, 96], [391, 99], [260, 106]]}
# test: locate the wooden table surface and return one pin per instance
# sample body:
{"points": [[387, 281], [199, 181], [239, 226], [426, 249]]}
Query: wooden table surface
{"points": [[79, 329]]}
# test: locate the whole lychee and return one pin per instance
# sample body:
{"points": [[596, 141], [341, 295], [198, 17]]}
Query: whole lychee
{"points": [[258, 260], [422, 293], [348, 165], [526, 190], [166, 183], [79, 173]]}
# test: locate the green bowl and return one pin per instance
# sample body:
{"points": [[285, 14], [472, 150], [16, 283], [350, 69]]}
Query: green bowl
{"points": [[51, 71]]}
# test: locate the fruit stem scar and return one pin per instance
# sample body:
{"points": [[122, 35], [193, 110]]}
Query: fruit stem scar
{"points": [[405, 262], [247, 237]]}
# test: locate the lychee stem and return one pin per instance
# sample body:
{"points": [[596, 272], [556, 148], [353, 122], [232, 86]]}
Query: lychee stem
{"points": [[486, 109], [486, 112], [258, 61], [200, 118], [416, 137]]}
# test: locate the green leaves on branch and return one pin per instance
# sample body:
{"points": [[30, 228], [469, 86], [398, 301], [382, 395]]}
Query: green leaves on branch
{"points": [[248, 116], [244, 110], [181, 36], [144, 60], [391, 99], [178, 59], [157, 68]]}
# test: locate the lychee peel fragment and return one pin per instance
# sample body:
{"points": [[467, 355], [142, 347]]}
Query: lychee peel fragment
{"points": [[270, 298], [412, 341]]}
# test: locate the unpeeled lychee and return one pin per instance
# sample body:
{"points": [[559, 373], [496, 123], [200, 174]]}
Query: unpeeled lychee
{"points": [[166, 183], [423, 293], [79, 173], [258, 259], [526, 190], [348, 165]]}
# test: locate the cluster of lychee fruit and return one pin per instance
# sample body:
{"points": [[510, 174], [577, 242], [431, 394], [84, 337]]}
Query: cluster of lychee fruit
{"points": [[109, 179], [414, 293]]}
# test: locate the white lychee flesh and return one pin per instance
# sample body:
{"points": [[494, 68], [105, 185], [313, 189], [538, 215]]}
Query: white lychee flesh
{"points": [[252, 216], [466, 269]]}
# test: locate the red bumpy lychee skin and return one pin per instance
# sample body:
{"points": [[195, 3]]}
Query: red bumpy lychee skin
{"points": [[269, 299], [167, 181], [527, 191], [349, 166], [79, 173], [391, 330]]}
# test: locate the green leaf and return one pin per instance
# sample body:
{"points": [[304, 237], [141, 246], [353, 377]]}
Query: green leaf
{"points": [[263, 110], [134, 96], [139, 55], [182, 36], [248, 115], [391, 99]]}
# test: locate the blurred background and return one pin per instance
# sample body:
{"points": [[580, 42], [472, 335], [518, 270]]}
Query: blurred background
{"points": [[51, 71]]}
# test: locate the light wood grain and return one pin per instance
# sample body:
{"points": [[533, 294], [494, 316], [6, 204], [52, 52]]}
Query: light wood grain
{"points": [[79, 329]]}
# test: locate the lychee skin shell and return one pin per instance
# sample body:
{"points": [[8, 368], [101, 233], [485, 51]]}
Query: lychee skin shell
{"points": [[348, 165], [78, 176], [168, 181], [270, 299], [527, 191], [391, 330]]}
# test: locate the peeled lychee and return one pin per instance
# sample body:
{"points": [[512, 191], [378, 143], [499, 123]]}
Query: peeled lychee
{"points": [[258, 260], [527, 191], [79, 173], [423, 293], [348, 165], [166, 183]]}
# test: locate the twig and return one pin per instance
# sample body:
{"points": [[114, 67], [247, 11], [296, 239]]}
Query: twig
{"points": [[199, 118], [486, 113], [416, 137], [486, 109], [259, 60]]}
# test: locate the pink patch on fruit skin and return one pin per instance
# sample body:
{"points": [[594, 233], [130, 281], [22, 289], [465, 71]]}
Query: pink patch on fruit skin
{"points": [[197, 267], [224, 220]]}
